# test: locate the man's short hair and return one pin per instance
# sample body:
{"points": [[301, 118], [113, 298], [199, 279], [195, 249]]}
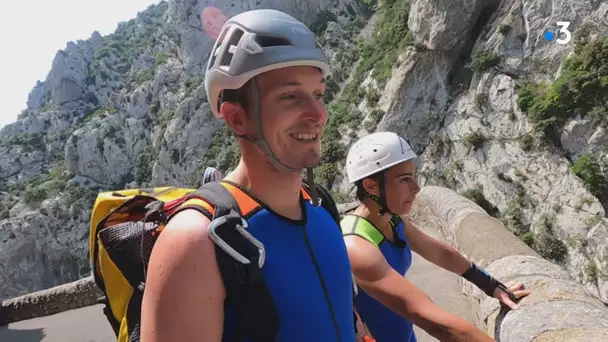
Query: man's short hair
{"points": [[240, 96]]}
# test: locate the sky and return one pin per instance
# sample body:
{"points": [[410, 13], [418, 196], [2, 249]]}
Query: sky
{"points": [[31, 33]]}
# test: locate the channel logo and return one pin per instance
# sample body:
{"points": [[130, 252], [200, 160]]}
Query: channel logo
{"points": [[562, 36]]}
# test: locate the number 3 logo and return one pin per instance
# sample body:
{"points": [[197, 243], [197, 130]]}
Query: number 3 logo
{"points": [[567, 35]]}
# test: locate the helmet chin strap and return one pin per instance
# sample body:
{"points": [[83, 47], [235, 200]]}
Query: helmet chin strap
{"points": [[381, 199], [261, 143]]}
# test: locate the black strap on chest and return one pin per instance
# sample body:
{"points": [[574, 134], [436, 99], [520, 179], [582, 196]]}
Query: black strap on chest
{"points": [[246, 289]]}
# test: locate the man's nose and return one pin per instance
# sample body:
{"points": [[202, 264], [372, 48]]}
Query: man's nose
{"points": [[316, 111]]}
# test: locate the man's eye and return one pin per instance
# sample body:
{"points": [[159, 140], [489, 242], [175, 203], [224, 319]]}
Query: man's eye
{"points": [[288, 97]]}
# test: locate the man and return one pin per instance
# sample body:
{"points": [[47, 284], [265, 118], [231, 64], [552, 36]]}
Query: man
{"points": [[265, 78], [379, 245]]}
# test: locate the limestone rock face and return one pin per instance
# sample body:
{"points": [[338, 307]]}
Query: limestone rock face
{"points": [[124, 110]]}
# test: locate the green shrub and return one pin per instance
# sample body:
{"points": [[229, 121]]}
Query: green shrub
{"points": [[192, 83], [545, 243], [476, 195], [513, 219], [34, 195], [593, 173], [326, 173], [504, 29], [591, 270], [474, 139], [319, 25], [527, 238], [484, 60], [224, 152], [526, 142], [375, 116], [144, 164], [390, 37], [28, 141], [372, 96], [582, 88], [160, 58]]}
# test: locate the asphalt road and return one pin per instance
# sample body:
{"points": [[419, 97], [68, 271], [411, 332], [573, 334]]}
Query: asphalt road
{"points": [[442, 286], [86, 324], [89, 324]]}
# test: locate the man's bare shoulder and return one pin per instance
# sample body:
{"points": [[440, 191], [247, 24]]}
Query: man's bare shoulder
{"points": [[187, 233], [184, 289]]}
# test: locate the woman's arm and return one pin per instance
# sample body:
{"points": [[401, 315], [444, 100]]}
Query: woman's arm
{"points": [[435, 251], [383, 283], [449, 258]]}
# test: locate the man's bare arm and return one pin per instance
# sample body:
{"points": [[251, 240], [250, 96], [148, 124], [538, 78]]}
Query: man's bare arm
{"points": [[384, 284], [184, 295]]}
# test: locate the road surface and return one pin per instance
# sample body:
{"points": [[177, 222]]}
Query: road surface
{"points": [[89, 324], [441, 285], [86, 324]]}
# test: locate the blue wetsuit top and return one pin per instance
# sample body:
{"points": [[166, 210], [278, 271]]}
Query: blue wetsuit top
{"points": [[302, 259], [383, 323]]}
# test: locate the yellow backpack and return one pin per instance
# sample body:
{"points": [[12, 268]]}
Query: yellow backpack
{"points": [[118, 222], [126, 223]]}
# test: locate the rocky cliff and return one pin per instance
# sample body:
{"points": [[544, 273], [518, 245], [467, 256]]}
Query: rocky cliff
{"points": [[498, 113]]}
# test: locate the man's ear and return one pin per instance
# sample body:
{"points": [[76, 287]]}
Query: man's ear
{"points": [[371, 186], [235, 117]]}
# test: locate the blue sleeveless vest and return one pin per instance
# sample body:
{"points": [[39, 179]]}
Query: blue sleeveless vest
{"points": [[383, 323], [308, 273]]}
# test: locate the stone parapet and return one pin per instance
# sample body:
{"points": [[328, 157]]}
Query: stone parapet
{"points": [[559, 308], [82, 292]]}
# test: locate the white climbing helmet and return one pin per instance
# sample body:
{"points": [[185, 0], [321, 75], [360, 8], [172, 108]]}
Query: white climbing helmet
{"points": [[376, 152], [255, 42]]}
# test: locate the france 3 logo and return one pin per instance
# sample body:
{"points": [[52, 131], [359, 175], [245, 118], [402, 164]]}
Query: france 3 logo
{"points": [[562, 35]]}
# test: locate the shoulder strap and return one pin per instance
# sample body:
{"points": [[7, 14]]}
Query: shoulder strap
{"points": [[327, 202], [326, 199], [356, 225], [245, 287], [395, 221]]}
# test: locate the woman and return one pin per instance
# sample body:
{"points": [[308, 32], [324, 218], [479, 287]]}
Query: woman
{"points": [[380, 242]]}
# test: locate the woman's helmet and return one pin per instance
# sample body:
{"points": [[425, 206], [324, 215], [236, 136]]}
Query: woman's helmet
{"points": [[373, 154]]}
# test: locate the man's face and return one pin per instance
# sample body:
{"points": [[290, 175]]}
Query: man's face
{"points": [[400, 189], [293, 114]]}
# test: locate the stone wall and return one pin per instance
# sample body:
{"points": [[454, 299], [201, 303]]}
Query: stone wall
{"points": [[559, 308], [70, 296]]}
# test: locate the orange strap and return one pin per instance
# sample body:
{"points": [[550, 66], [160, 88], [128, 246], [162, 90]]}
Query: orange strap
{"points": [[245, 202]]}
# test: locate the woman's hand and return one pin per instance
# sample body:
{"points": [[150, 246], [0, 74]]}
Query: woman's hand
{"points": [[518, 290]]}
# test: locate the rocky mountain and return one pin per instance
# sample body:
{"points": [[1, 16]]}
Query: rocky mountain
{"points": [[509, 119]]}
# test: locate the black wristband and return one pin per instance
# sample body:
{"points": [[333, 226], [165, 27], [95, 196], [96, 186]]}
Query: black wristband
{"points": [[485, 281]]}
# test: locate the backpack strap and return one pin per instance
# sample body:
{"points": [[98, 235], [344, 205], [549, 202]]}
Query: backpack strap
{"points": [[325, 198], [239, 257], [327, 202]]}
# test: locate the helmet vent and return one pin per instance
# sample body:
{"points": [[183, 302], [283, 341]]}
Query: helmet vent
{"points": [[234, 40], [266, 41]]}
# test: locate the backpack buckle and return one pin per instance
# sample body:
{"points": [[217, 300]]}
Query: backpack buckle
{"points": [[241, 227]]}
